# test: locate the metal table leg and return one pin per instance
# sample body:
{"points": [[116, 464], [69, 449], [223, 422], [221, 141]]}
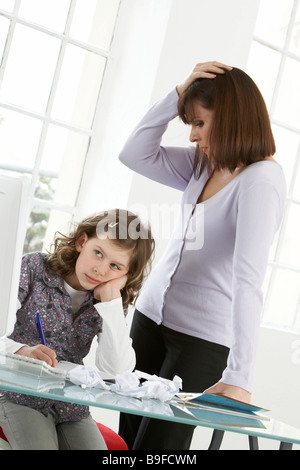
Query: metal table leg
{"points": [[253, 443], [286, 446], [216, 440], [142, 429]]}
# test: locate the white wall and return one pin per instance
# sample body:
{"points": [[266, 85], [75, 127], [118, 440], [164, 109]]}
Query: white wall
{"points": [[197, 31], [200, 30], [125, 96]]}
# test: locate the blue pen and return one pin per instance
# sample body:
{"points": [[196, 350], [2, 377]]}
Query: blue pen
{"points": [[40, 328]]}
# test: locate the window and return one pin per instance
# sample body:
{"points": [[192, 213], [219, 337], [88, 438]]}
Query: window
{"points": [[274, 63], [53, 56]]}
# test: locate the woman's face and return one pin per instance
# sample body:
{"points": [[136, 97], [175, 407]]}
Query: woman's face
{"points": [[201, 124]]}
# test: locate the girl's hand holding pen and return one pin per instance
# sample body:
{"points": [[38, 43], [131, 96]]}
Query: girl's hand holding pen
{"points": [[41, 352]]}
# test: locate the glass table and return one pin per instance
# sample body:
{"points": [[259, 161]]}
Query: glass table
{"points": [[259, 425]]}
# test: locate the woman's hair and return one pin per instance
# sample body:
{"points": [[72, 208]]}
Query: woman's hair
{"points": [[123, 228], [241, 132]]}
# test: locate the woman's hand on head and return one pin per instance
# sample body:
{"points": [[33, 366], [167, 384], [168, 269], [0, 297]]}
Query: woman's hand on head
{"points": [[41, 352], [231, 391], [202, 70], [110, 290]]}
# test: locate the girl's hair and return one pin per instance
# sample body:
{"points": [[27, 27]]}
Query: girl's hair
{"points": [[241, 132], [126, 230]]}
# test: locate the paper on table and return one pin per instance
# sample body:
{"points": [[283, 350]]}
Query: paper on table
{"points": [[129, 384], [82, 375]]}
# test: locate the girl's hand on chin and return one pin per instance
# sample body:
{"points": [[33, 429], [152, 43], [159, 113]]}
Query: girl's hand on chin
{"points": [[110, 290]]}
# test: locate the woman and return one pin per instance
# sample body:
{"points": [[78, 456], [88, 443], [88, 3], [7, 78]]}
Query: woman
{"points": [[198, 315]]}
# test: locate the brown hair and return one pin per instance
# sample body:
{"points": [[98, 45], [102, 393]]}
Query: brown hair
{"points": [[241, 131], [126, 230]]}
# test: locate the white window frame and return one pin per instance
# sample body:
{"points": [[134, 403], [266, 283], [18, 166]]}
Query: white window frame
{"points": [[46, 117], [275, 263]]}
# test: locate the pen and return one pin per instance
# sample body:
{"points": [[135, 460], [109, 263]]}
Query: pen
{"points": [[40, 328]]}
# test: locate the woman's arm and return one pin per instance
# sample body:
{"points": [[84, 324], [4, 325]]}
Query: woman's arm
{"points": [[143, 152], [259, 214]]}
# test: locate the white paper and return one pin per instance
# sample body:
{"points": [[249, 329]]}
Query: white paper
{"points": [[129, 384], [83, 375]]}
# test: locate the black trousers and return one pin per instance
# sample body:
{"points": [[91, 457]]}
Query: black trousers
{"points": [[166, 353]]}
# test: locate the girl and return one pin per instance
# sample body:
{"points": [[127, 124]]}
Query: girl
{"points": [[198, 315], [81, 290]]}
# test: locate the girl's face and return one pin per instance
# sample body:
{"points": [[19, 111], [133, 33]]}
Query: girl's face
{"points": [[99, 261], [201, 124]]}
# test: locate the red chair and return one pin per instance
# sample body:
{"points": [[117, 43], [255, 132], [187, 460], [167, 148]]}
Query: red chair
{"points": [[112, 439]]}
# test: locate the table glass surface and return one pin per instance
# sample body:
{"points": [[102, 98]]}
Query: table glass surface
{"points": [[261, 425]]}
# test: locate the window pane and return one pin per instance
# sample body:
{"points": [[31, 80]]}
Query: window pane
{"points": [[263, 65], [37, 226], [296, 192], [59, 221], [19, 139], [42, 225], [45, 188], [288, 103], [290, 250], [282, 305], [78, 87], [295, 41], [4, 25], [30, 69], [273, 20], [266, 281], [286, 150], [7, 5], [274, 245], [63, 160], [94, 22], [49, 13]]}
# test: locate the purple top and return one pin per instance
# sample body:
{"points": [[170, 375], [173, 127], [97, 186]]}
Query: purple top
{"points": [[208, 282]]}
